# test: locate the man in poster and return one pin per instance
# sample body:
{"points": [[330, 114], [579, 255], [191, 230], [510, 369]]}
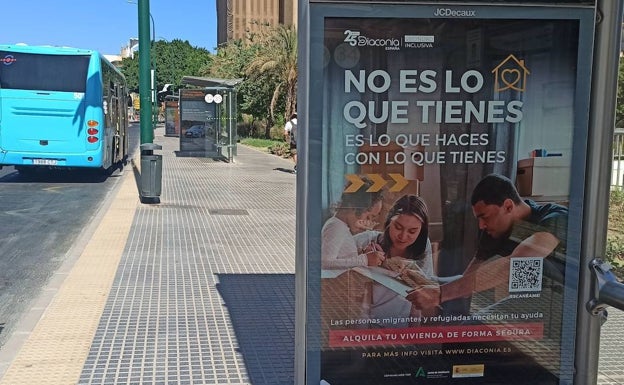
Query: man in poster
{"points": [[521, 231]]}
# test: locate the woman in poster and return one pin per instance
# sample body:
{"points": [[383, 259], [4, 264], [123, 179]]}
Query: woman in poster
{"points": [[405, 239], [407, 248]]}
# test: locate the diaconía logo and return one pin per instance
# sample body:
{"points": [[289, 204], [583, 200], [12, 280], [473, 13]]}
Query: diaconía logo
{"points": [[8, 60], [354, 38], [351, 37]]}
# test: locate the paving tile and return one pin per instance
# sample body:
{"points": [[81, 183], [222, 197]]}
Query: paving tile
{"points": [[196, 271]]}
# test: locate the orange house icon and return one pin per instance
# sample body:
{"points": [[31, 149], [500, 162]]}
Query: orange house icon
{"points": [[510, 74]]}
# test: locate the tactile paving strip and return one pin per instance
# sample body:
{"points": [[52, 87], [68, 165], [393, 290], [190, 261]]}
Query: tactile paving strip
{"points": [[204, 293]]}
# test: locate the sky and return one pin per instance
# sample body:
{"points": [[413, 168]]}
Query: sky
{"points": [[105, 25]]}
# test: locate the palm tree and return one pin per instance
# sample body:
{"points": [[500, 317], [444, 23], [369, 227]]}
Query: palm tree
{"points": [[277, 59]]}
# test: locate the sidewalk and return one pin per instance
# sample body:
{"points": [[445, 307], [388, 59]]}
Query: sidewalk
{"points": [[198, 289]]}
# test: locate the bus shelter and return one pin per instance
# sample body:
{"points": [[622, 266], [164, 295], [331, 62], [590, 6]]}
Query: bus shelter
{"points": [[208, 117], [471, 127]]}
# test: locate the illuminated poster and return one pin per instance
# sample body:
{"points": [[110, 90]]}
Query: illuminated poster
{"points": [[198, 134], [443, 141], [172, 118]]}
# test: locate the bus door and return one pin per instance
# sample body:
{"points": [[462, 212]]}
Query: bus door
{"points": [[123, 115], [42, 102], [119, 118]]}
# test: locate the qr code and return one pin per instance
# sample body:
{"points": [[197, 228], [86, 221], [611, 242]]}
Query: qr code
{"points": [[525, 274]]}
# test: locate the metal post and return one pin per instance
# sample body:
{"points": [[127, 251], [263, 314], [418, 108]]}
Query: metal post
{"points": [[228, 97], [154, 98], [154, 84], [147, 132], [233, 132], [601, 121], [151, 165], [217, 136]]}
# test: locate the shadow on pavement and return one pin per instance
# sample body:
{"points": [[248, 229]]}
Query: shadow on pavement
{"points": [[58, 176], [262, 310], [201, 154], [286, 170]]}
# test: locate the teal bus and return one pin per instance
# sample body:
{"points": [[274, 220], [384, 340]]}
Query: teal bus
{"points": [[61, 107]]}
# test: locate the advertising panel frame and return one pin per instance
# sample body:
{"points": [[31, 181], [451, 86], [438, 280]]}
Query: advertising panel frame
{"points": [[594, 294], [172, 116], [199, 123], [314, 148]]}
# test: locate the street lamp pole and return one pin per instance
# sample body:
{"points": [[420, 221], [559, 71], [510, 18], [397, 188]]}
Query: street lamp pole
{"points": [[153, 27], [143, 10], [153, 75], [151, 164], [147, 130]]}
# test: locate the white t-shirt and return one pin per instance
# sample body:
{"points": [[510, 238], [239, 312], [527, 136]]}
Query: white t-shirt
{"points": [[290, 129], [338, 248], [289, 125]]}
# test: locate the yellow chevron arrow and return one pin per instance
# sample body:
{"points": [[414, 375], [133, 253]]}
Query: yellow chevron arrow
{"points": [[356, 183], [378, 182], [400, 184]]}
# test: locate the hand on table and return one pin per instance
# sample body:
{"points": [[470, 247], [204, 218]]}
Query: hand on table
{"points": [[425, 296], [375, 258]]}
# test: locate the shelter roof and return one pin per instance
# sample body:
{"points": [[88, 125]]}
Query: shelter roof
{"points": [[210, 82]]}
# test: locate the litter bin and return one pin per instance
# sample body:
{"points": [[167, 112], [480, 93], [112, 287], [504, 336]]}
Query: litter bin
{"points": [[151, 173]]}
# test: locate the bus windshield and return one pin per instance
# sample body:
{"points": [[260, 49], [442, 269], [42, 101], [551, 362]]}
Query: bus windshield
{"points": [[25, 71]]}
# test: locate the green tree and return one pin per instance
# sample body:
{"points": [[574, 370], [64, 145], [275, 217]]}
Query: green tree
{"points": [[276, 59], [256, 90], [230, 60], [257, 93], [172, 60], [130, 69], [176, 59], [267, 61], [619, 111]]}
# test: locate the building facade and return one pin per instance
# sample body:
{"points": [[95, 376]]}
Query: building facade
{"points": [[236, 19], [129, 49]]}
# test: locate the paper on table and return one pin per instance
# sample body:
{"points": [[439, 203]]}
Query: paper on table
{"points": [[385, 277]]}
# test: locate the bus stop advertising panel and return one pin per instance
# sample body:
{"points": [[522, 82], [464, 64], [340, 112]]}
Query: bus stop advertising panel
{"points": [[172, 116], [198, 123], [443, 210]]}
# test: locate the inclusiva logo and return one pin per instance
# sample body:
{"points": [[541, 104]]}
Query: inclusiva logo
{"points": [[418, 41]]}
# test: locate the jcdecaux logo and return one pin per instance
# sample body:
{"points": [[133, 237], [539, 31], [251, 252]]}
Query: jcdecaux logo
{"points": [[448, 12]]}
